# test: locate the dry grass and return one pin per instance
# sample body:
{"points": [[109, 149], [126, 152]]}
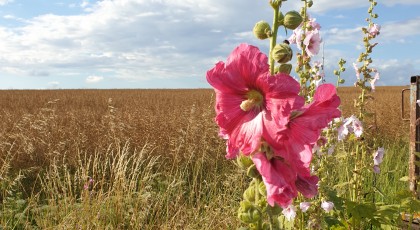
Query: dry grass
{"points": [[154, 155], [387, 108]]}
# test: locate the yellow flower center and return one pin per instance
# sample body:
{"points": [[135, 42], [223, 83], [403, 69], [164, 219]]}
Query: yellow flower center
{"points": [[253, 99]]}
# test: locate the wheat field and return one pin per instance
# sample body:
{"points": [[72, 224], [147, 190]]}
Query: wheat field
{"points": [[131, 159]]}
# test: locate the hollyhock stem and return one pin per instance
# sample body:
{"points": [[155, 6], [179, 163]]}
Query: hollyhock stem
{"points": [[273, 39], [362, 105], [257, 199]]}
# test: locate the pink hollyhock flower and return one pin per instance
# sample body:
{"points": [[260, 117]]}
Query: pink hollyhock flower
{"points": [[304, 206], [318, 64], [357, 71], [357, 127], [289, 212], [312, 42], [292, 144], [378, 156], [279, 179], [327, 206], [374, 29], [376, 169], [296, 37], [307, 185], [351, 124], [343, 130], [245, 92], [373, 81], [305, 122], [314, 24]]}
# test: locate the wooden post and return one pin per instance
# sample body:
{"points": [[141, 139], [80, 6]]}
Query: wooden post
{"points": [[414, 134]]}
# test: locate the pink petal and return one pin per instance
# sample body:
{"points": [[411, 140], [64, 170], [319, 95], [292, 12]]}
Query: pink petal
{"points": [[278, 178], [247, 135], [307, 186]]}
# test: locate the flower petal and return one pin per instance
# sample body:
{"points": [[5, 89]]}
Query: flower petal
{"points": [[278, 178]]}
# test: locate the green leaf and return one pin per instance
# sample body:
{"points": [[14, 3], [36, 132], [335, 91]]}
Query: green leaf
{"points": [[387, 214], [361, 211], [333, 223], [338, 201]]}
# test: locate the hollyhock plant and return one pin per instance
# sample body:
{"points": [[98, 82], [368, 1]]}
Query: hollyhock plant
{"points": [[350, 124], [279, 179], [245, 93], [295, 143], [378, 157], [291, 146], [374, 29], [356, 69], [296, 37], [312, 42], [304, 206], [309, 36], [313, 24], [373, 81], [376, 169], [327, 206], [289, 212]]}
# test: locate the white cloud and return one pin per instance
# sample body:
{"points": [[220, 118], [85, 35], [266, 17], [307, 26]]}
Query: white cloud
{"points": [[399, 30], [84, 4], [323, 6], [94, 79], [133, 39], [342, 35], [4, 2], [143, 39], [401, 2]]}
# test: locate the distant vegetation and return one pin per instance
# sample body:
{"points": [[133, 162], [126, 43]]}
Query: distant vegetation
{"points": [[140, 159]]}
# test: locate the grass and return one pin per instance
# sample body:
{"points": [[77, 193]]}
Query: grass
{"points": [[154, 157]]}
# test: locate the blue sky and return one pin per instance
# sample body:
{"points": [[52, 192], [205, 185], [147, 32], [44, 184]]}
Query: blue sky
{"points": [[47, 44]]}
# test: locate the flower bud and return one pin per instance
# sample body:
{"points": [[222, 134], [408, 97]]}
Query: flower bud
{"points": [[244, 162], [310, 3], [292, 20], [251, 216], [249, 194], [262, 189], [245, 205], [282, 53], [341, 81], [247, 213], [285, 68], [262, 30], [253, 172]]}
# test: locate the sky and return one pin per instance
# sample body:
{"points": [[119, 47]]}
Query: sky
{"points": [[64, 44]]}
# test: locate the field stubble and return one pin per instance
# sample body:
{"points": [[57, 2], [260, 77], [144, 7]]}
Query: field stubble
{"points": [[154, 157]]}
